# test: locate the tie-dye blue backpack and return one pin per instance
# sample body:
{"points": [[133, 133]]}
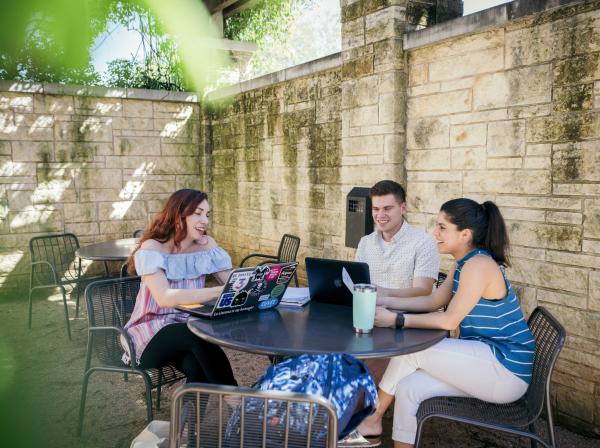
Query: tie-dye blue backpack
{"points": [[338, 378]]}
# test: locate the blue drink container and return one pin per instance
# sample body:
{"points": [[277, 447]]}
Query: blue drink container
{"points": [[364, 298]]}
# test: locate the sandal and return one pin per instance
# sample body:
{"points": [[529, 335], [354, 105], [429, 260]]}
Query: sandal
{"points": [[356, 439]]}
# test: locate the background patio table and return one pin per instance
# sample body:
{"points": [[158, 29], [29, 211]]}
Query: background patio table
{"points": [[115, 250], [315, 328]]}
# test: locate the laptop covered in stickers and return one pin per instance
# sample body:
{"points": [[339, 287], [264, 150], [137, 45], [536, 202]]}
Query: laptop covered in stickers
{"points": [[247, 289]]}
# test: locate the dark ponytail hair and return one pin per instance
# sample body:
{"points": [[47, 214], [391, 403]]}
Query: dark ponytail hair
{"points": [[486, 223]]}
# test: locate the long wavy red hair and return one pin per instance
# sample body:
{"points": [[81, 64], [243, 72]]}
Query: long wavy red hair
{"points": [[170, 222]]}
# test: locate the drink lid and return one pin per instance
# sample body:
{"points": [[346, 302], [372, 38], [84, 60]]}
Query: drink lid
{"points": [[365, 287]]}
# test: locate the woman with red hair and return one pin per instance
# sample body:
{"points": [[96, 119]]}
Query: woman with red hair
{"points": [[173, 257]]}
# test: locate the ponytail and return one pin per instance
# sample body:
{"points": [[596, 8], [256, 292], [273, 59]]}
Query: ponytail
{"points": [[485, 222]]}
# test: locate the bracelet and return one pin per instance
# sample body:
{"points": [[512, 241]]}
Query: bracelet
{"points": [[400, 320]]}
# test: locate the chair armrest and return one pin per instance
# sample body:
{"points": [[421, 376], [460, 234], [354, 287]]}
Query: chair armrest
{"points": [[34, 263], [271, 257], [125, 335]]}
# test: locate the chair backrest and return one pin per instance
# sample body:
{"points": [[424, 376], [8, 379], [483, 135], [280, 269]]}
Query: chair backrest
{"points": [[59, 251], [210, 415], [288, 248], [137, 233], [110, 304], [441, 277], [549, 337]]}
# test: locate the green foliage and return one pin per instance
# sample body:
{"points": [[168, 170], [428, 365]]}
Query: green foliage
{"points": [[159, 65], [265, 24], [266, 18], [49, 40]]}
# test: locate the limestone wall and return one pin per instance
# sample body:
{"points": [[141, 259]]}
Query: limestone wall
{"points": [[276, 161], [95, 162], [512, 114]]}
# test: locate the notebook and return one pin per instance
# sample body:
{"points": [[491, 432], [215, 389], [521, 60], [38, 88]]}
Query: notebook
{"points": [[247, 289]]}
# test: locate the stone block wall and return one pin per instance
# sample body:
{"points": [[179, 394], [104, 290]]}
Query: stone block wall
{"points": [[96, 163], [512, 114], [275, 158]]}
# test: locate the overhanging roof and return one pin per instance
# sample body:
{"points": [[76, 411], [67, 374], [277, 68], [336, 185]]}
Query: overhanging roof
{"points": [[228, 7]]}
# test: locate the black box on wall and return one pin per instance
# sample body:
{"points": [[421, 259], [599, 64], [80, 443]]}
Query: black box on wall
{"points": [[359, 220]]}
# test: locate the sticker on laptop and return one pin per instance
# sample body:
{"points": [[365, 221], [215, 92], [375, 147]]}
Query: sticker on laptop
{"points": [[239, 280], [259, 273], [240, 298], [286, 274], [264, 297], [277, 291], [267, 304], [226, 300], [273, 273]]}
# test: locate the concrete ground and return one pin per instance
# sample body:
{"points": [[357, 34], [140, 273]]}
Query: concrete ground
{"points": [[40, 384]]}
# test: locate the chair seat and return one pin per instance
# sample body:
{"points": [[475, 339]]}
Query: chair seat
{"points": [[169, 373], [513, 414]]}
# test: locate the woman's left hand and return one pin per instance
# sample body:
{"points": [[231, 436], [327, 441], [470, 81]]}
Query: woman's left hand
{"points": [[384, 317]]}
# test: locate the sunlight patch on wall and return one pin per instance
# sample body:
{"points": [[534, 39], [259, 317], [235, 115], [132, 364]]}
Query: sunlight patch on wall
{"points": [[131, 190], [43, 121], [8, 262], [173, 128]]}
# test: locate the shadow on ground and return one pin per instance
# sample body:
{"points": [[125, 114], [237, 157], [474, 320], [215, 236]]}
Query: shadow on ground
{"points": [[40, 384]]}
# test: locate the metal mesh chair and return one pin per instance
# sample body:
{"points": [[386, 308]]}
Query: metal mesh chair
{"points": [[441, 278], [518, 417], [288, 249], [208, 415], [110, 304], [55, 265]]}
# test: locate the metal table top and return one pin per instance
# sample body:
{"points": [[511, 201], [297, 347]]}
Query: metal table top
{"points": [[315, 328], [116, 250]]}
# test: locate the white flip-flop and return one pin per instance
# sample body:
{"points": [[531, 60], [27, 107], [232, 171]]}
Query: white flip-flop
{"points": [[356, 440]]}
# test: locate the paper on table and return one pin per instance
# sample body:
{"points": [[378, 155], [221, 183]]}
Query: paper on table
{"points": [[347, 280], [295, 296], [295, 293]]}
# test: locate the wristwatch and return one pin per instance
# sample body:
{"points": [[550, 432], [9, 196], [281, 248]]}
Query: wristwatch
{"points": [[399, 320]]}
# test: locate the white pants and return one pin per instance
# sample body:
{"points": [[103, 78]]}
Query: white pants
{"points": [[452, 367]]}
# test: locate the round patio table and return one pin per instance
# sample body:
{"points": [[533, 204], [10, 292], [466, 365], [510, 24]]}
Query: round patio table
{"points": [[115, 250], [315, 328]]}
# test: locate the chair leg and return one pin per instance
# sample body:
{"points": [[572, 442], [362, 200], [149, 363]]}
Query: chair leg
{"points": [[77, 300], [78, 289], [532, 441], [419, 431], [30, 306], [84, 387], [64, 296], [296, 278], [147, 383], [158, 389], [30, 296], [550, 419]]}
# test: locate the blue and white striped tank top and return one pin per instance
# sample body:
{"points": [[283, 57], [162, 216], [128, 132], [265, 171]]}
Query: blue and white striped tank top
{"points": [[500, 324]]}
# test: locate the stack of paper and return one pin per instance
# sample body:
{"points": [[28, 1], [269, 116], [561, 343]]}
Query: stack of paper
{"points": [[295, 297]]}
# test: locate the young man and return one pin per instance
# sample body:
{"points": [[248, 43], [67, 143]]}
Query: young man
{"points": [[403, 260]]}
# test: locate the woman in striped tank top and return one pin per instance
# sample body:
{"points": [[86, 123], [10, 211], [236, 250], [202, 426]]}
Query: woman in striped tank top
{"points": [[492, 359]]}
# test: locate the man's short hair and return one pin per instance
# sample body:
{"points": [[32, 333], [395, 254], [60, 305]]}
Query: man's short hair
{"points": [[385, 187]]}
